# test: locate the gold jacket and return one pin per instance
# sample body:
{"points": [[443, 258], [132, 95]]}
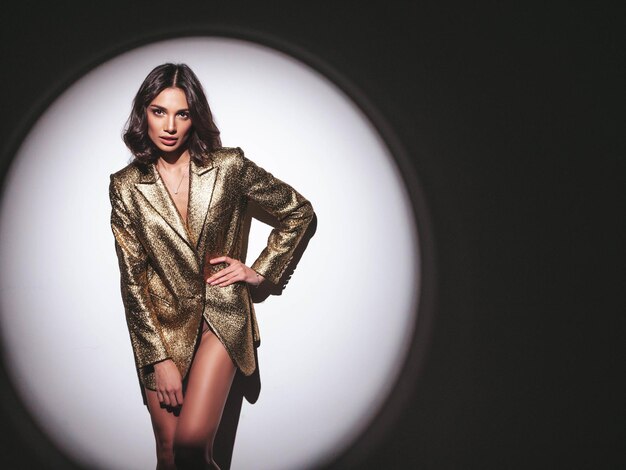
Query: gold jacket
{"points": [[163, 265]]}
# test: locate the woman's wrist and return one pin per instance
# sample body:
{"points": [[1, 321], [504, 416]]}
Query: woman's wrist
{"points": [[259, 279], [161, 363]]}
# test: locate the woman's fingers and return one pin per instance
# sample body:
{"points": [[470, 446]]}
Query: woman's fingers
{"points": [[179, 396], [166, 399], [223, 274], [222, 259], [236, 271], [228, 280], [237, 275], [168, 383], [173, 400], [171, 397]]}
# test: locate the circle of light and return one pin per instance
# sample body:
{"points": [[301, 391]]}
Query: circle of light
{"points": [[332, 344]]}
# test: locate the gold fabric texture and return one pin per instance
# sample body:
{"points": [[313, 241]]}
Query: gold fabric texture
{"points": [[164, 264]]}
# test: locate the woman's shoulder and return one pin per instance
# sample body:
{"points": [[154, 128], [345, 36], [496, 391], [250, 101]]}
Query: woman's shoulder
{"points": [[226, 155], [231, 159], [131, 173]]}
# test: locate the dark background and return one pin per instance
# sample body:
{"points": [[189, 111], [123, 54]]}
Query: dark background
{"points": [[512, 117]]}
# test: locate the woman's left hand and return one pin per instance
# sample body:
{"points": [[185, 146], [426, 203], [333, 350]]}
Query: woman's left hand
{"points": [[235, 272]]}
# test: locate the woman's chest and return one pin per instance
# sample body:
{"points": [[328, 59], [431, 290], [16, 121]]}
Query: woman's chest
{"points": [[177, 189]]}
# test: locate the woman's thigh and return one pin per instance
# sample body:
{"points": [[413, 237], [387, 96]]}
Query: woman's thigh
{"points": [[208, 385], [164, 421]]}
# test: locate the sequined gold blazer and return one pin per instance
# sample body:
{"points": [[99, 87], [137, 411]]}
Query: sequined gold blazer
{"points": [[163, 264]]}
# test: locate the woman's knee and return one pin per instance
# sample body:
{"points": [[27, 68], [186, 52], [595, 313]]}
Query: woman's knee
{"points": [[191, 454], [164, 427], [165, 454], [192, 439]]}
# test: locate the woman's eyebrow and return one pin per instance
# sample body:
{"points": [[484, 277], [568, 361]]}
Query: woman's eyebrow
{"points": [[165, 109]]}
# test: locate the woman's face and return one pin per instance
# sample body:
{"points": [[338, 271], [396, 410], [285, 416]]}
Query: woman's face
{"points": [[169, 123]]}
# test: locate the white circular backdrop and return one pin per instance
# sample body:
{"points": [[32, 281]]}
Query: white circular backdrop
{"points": [[332, 343]]}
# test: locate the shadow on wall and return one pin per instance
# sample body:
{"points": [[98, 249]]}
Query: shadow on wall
{"points": [[250, 387]]}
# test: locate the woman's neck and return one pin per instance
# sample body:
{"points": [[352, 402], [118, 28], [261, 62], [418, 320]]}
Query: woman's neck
{"points": [[174, 160]]}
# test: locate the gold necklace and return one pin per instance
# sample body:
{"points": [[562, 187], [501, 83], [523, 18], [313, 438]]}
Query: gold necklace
{"points": [[181, 181]]}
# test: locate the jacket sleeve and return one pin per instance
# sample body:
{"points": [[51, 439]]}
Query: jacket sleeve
{"points": [[292, 210], [145, 333]]}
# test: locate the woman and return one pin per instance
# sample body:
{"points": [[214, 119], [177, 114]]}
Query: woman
{"points": [[177, 213]]}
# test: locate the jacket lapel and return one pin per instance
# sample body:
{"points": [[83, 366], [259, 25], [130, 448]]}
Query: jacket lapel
{"points": [[201, 184], [155, 192]]}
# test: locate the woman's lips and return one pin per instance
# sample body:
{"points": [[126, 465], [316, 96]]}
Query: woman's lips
{"points": [[168, 140]]}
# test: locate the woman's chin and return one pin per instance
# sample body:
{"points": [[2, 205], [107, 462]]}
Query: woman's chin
{"points": [[171, 151]]}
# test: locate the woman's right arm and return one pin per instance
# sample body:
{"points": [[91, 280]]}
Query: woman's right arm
{"points": [[145, 334]]}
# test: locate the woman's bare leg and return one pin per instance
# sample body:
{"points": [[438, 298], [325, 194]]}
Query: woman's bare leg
{"points": [[209, 381], [164, 426]]}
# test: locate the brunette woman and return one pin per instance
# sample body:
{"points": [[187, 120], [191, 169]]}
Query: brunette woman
{"points": [[177, 213]]}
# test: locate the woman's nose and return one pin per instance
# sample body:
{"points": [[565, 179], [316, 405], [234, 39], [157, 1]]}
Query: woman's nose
{"points": [[170, 125]]}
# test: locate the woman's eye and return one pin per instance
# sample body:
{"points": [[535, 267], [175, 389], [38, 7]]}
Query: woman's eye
{"points": [[158, 112], [184, 115]]}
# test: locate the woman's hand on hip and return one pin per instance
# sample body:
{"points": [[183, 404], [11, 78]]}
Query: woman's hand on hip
{"points": [[169, 386], [235, 272]]}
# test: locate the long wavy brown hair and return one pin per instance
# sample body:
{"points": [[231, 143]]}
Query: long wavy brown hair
{"points": [[204, 136]]}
